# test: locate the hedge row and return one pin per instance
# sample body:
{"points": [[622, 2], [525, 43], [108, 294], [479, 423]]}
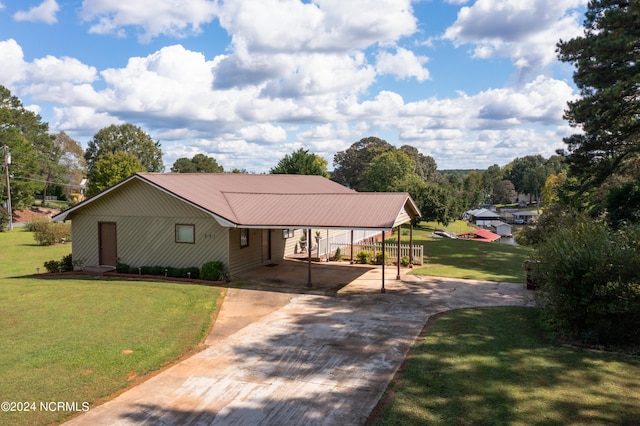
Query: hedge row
{"points": [[168, 271]]}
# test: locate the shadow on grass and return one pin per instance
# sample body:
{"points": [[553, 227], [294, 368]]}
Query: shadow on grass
{"points": [[493, 366]]}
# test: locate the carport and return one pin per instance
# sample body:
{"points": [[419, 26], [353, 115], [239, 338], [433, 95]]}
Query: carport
{"points": [[345, 211]]}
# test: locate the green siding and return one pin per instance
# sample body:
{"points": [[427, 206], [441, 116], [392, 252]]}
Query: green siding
{"points": [[146, 219]]}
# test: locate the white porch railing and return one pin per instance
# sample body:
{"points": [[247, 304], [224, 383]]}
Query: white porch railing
{"points": [[374, 249]]}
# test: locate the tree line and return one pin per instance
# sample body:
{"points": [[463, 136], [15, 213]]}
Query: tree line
{"points": [[55, 164]]}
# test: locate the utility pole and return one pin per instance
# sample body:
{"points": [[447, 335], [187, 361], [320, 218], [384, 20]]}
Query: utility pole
{"points": [[7, 161]]}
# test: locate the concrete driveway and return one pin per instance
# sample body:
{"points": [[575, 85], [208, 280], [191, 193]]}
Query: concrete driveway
{"points": [[299, 359]]}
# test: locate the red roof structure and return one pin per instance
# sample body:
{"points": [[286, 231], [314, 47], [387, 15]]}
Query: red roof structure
{"points": [[479, 235]]}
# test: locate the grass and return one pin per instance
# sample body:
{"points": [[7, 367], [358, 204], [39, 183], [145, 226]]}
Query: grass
{"points": [[494, 367], [476, 260], [82, 339]]}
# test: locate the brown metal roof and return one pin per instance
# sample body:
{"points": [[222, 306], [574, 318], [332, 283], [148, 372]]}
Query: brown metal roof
{"points": [[345, 210], [278, 201]]}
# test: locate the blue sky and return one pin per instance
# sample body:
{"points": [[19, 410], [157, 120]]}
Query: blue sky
{"points": [[471, 83]]}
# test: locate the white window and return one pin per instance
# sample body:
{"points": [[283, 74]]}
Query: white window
{"points": [[244, 237], [288, 233], [186, 234]]}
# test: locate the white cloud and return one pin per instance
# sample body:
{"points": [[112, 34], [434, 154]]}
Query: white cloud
{"points": [[526, 31], [318, 26], [12, 66], [403, 64], [266, 132], [51, 69], [152, 17], [45, 12]]}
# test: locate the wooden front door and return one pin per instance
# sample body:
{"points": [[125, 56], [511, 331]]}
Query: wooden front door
{"points": [[107, 242], [266, 245]]}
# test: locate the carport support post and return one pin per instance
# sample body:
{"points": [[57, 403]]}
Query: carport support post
{"points": [[411, 244], [309, 259], [382, 290], [398, 276], [352, 246]]}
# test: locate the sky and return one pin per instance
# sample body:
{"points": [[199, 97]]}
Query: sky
{"points": [[470, 83]]}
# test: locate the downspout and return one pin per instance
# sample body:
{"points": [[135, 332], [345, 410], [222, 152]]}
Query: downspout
{"points": [[309, 259], [399, 233]]}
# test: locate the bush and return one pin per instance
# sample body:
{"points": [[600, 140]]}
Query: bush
{"points": [[589, 282], [379, 258], [191, 272], [123, 268], [364, 257], [338, 255], [213, 271], [47, 233], [404, 261], [64, 265]]}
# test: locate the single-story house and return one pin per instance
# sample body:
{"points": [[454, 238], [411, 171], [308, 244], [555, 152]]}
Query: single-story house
{"points": [[242, 220], [479, 235], [524, 217], [501, 228], [483, 217]]}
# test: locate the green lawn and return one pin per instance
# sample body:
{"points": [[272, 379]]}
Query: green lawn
{"points": [[82, 339], [493, 367], [446, 257]]}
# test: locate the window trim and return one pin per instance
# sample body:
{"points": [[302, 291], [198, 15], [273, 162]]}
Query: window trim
{"points": [[185, 225], [288, 233]]}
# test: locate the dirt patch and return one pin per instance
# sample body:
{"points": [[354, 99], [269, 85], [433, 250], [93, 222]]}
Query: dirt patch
{"points": [[34, 213]]}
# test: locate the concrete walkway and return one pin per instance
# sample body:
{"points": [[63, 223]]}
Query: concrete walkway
{"points": [[290, 359]]}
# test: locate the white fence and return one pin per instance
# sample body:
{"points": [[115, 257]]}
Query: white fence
{"points": [[324, 246], [374, 249]]}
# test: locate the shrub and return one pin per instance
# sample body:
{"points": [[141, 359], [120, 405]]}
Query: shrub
{"points": [[213, 271], [191, 272], [47, 233], [364, 256], [63, 265], [52, 266], [379, 258], [123, 268], [589, 282], [67, 262], [404, 261], [338, 255]]}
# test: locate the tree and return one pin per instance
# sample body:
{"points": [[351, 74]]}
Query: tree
{"points": [[504, 192], [437, 203], [110, 169], [490, 179], [551, 189], [389, 172], [351, 165], [519, 167], [127, 138], [607, 72], [623, 204], [473, 190], [588, 281], [301, 162], [200, 163], [425, 165], [72, 160], [27, 138]]}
